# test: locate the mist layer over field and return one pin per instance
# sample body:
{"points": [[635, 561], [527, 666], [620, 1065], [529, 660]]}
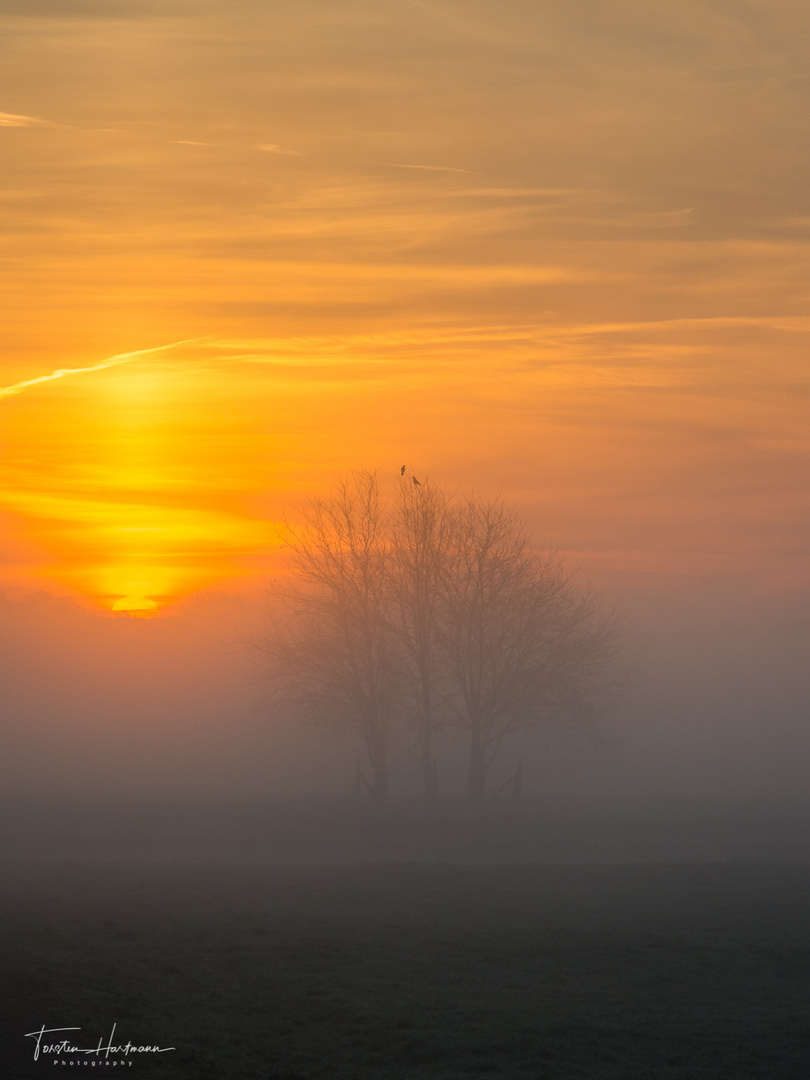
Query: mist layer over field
{"points": [[198, 874], [412, 972], [714, 708]]}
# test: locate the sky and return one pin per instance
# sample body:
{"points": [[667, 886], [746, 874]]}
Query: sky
{"points": [[557, 250]]}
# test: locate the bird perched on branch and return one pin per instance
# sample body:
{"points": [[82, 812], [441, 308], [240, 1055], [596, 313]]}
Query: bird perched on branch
{"points": [[418, 484], [402, 471]]}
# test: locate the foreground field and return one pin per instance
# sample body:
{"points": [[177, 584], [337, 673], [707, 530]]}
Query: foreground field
{"points": [[413, 971]]}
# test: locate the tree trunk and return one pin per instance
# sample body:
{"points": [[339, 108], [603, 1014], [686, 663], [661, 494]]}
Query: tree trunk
{"points": [[429, 778], [379, 785], [477, 776], [428, 764], [379, 767]]}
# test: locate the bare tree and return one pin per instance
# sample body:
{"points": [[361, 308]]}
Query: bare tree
{"points": [[334, 651], [420, 533], [442, 612], [523, 647]]}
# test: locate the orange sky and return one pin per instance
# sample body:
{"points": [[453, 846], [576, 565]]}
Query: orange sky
{"points": [[558, 250]]}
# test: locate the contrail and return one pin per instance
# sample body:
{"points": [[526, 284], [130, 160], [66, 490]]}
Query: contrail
{"points": [[111, 361]]}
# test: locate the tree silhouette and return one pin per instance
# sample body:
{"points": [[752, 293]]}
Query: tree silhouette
{"points": [[420, 532], [333, 645], [522, 647], [437, 612]]}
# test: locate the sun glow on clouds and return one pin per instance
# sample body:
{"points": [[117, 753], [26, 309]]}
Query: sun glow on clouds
{"points": [[130, 483], [139, 482], [254, 245]]}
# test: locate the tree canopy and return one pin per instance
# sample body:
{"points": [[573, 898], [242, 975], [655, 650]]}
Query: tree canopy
{"points": [[428, 612]]}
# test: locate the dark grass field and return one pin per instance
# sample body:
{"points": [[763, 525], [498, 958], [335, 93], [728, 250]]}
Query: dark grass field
{"points": [[411, 970]]}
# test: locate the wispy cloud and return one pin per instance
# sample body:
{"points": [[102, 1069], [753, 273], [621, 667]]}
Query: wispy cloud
{"points": [[428, 168], [193, 142], [111, 361], [16, 121], [274, 148], [522, 192], [269, 148]]}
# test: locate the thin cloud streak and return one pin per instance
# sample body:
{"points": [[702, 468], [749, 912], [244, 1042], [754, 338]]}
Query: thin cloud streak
{"points": [[429, 168], [274, 148], [270, 148], [14, 120], [193, 142], [111, 361]]}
